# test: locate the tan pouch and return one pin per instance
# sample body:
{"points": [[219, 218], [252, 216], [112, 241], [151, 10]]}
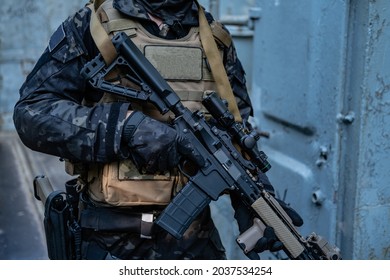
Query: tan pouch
{"points": [[120, 184]]}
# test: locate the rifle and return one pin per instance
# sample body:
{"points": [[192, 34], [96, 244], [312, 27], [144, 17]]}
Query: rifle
{"points": [[227, 167]]}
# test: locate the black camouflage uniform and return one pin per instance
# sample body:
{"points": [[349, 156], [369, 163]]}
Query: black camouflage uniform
{"points": [[51, 117]]}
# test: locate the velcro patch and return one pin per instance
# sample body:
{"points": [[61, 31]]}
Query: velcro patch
{"points": [[175, 62], [57, 38]]}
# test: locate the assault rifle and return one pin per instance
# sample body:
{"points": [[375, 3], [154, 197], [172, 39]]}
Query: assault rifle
{"points": [[226, 167]]}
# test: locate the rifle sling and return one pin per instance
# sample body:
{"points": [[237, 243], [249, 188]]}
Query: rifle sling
{"points": [[102, 40], [217, 68]]}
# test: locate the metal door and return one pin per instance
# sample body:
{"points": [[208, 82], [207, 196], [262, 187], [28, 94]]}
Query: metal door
{"points": [[321, 90]]}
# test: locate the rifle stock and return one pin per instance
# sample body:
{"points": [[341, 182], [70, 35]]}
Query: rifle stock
{"points": [[226, 167]]}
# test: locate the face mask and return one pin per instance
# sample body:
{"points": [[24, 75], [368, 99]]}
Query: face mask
{"points": [[168, 10]]}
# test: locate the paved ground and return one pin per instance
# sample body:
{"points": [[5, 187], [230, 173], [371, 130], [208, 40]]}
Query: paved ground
{"points": [[21, 228]]}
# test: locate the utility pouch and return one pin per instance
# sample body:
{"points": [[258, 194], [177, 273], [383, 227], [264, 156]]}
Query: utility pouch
{"points": [[63, 234], [120, 184]]}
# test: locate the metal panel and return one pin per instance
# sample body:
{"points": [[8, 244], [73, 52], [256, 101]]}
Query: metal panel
{"points": [[321, 88], [365, 155], [298, 83]]}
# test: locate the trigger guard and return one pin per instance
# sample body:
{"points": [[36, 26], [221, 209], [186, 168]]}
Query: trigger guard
{"points": [[187, 168]]}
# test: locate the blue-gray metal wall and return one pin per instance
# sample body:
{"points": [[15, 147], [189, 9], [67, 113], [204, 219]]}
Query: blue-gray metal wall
{"points": [[321, 81], [319, 76]]}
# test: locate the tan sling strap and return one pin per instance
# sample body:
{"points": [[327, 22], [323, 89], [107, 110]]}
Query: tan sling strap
{"points": [[108, 52], [217, 68], [102, 40]]}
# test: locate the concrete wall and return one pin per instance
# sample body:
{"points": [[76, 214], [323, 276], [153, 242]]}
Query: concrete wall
{"points": [[25, 28]]}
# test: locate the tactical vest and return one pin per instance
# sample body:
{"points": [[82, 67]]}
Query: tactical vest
{"points": [[183, 64]]}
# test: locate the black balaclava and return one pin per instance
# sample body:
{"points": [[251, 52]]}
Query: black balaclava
{"points": [[170, 11]]}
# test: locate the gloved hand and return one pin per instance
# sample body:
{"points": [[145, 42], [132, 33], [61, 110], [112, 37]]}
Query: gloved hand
{"points": [[155, 146], [244, 219]]}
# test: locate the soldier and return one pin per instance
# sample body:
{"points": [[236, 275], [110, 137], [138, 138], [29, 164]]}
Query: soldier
{"points": [[128, 151]]}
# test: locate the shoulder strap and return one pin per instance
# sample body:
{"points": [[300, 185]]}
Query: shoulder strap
{"points": [[217, 68], [99, 34], [220, 34]]}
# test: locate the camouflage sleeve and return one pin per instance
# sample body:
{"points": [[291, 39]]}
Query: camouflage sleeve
{"points": [[234, 70], [49, 116], [236, 75]]}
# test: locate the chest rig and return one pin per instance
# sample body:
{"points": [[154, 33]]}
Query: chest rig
{"points": [[183, 64]]}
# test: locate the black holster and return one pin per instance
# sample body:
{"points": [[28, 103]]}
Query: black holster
{"points": [[63, 233]]}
